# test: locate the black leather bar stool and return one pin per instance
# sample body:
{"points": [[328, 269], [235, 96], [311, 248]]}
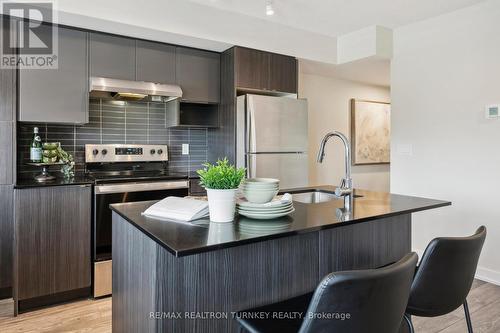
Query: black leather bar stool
{"points": [[353, 301], [444, 277]]}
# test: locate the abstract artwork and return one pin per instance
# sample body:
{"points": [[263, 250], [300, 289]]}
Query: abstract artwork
{"points": [[370, 132]]}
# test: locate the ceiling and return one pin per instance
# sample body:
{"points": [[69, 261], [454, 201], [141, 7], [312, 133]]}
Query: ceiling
{"points": [[337, 17]]}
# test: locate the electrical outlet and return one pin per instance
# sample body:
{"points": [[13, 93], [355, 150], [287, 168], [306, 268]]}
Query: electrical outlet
{"points": [[185, 149], [404, 149]]}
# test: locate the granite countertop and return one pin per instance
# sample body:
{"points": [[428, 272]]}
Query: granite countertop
{"points": [[183, 239], [79, 179]]}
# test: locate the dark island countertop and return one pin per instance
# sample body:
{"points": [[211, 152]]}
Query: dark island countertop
{"points": [[183, 239]]}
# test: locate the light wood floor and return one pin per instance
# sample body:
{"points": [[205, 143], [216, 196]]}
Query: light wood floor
{"points": [[484, 305], [95, 316], [82, 316]]}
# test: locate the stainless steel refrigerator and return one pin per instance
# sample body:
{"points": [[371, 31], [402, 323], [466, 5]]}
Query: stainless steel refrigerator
{"points": [[271, 137]]}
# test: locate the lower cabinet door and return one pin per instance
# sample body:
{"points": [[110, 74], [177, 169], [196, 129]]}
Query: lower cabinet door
{"points": [[52, 240]]}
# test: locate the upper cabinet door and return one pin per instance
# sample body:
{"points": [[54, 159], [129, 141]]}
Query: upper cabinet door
{"points": [[155, 62], [198, 74], [58, 95], [252, 68], [283, 74], [112, 57], [261, 70]]}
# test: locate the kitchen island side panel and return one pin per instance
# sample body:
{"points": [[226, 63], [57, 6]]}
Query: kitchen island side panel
{"points": [[134, 286], [365, 245], [148, 281], [234, 279]]}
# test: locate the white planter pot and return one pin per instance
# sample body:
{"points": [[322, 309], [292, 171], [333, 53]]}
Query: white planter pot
{"points": [[221, 205]]}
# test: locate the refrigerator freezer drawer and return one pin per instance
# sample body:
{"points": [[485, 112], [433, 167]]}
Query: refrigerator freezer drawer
{"points": [[290, 169]]}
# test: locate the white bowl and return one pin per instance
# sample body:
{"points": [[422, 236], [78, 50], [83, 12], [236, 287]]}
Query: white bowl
{"points": [[262, 181], [272, 187], [260, 196]]}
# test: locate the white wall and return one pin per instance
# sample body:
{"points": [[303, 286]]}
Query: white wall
{"points": [[444, 71], [329, 110]]}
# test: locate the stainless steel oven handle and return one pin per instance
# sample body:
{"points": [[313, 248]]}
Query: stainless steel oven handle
{"points": [[140, 187]]}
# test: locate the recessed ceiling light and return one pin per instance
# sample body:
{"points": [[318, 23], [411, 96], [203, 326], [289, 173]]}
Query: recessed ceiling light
{"points": [[269, 8]]}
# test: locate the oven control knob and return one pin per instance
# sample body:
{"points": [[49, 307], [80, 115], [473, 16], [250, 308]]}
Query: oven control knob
{"points": [[152, 151], [160, 151], [104, 151], [95, 152]]}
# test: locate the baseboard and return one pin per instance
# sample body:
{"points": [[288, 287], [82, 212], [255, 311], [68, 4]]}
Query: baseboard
{"points": [[62, 297], [483, 274], [488, 275]]}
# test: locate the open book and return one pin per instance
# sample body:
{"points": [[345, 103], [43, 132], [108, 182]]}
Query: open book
{"points": [[179, 209]]}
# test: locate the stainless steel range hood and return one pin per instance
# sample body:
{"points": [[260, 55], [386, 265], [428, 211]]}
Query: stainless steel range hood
{"points": [[133, 90]]}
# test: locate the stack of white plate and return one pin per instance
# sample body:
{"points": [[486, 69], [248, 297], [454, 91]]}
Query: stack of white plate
{"points": [[260, 190], [267, 211]]}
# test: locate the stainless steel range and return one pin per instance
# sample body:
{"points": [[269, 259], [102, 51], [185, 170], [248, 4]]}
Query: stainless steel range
{"points": [[124, 173]]}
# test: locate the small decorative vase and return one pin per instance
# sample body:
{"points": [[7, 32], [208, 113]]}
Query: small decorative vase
{"points": [[221, 205]]}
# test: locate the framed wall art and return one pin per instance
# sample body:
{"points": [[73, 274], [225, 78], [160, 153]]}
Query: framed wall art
{"points": [[370, 132]]}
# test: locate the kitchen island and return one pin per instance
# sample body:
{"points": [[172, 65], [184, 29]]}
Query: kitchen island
{"points": [[176, 277]]}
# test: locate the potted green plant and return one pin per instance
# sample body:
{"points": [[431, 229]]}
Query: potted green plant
{"points": [[221, 180]]}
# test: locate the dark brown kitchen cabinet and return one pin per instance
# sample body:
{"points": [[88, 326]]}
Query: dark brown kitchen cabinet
{"points": [[112, 56], [283, 73], [252, 68], [155, 62], [6, 238], [8, 110], [198, 74], [7, 172], [259, 70], [52, 240]]}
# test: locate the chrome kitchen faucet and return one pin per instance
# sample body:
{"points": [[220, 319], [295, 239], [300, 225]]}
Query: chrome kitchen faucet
{"points": [[345, 187]]}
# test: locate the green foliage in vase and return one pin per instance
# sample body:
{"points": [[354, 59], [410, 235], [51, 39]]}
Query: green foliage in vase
{"points": [[69, 163], [221, 176]]}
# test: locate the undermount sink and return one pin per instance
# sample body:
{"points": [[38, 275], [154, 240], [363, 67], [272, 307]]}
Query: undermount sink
{"points": [[315, 196]]}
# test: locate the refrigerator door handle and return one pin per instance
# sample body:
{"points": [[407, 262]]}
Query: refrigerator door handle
{"points": [[247, 163], [250, 128], [251, 160]]}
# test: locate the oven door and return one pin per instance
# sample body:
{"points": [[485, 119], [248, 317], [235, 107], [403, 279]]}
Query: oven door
{"points": [[105, 195]]}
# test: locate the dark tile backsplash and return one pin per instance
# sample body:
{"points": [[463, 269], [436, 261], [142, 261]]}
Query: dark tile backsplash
{"points": [[118, 122]]}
